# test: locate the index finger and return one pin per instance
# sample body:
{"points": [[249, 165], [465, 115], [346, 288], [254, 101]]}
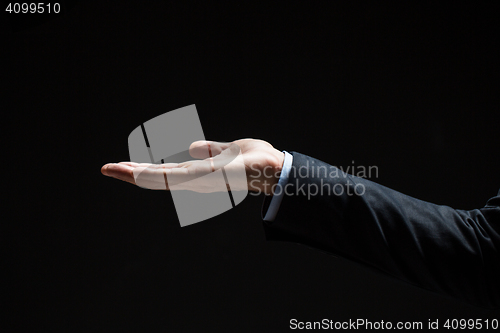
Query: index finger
{"points": [[119, 171]]}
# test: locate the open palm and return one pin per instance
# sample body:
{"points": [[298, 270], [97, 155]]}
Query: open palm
{"points": [[248, 164]]}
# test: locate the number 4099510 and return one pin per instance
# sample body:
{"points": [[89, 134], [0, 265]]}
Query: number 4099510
{"points": [[33, 7]]}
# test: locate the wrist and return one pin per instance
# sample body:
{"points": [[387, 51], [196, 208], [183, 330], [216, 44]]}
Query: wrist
{"points": [[276, 165]]}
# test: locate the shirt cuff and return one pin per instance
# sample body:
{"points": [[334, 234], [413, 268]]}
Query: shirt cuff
{"points": [[275, 203]]}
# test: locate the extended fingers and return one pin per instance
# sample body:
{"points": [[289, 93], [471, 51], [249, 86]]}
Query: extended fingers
{"points": [[119, 171], [164, 165], [160, 176]]}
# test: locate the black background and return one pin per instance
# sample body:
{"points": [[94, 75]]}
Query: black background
{"points": [[411, 89]]}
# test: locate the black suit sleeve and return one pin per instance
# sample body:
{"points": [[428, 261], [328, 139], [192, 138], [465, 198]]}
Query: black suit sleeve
{"points": [[434, 247]]}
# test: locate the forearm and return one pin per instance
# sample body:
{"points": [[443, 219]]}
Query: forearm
{"points": [[434, 247]]}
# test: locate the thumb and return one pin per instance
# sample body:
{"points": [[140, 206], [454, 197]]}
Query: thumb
{"points": [[204, 149]]}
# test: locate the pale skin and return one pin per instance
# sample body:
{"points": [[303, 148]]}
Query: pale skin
{"points": [[260, 160]]}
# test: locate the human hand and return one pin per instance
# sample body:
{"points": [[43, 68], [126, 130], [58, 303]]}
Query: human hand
{"points": [[261, 162]]}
